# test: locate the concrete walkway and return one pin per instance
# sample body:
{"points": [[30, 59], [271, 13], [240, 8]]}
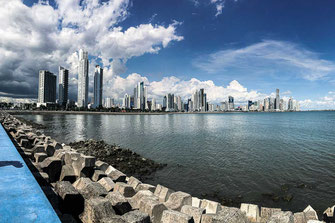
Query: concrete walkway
{"points": [[21, 198]]}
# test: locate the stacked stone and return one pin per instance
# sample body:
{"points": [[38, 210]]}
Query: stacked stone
{"points": [[83, 189]]}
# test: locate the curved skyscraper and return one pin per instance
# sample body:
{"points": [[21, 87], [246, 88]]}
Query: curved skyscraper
{"points": [[83, 79]]}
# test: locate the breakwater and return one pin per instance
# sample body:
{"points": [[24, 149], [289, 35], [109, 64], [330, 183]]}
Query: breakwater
{"points": [[90, 190]]}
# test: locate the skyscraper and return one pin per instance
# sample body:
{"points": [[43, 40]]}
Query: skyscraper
{"points": [[231, 105], [46, 87], [83, 79], [277, 102], [140, 96], [153, 105], [98, 86], [63, 85], [169, 102]]}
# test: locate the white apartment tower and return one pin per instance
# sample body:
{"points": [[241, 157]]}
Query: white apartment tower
{"points": [[83, 79]]}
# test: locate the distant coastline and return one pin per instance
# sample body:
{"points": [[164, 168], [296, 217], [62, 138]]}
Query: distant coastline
{"points": [[37, 112]]}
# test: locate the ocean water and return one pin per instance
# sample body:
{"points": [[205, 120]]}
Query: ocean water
{"points": [[244, 157]]}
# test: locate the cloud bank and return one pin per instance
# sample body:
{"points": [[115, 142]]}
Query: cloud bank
{"points": [[43, 37]]}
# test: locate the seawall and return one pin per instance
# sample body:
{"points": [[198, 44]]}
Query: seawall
{"points": [[84, 189]]}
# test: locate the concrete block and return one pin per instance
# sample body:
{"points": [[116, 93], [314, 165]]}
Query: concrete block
{"points": [[81, 183], [25, 143], [299, 217], [119, 202], [124, 189], [136, 199], [100, 165], [195, 212], [329, 211], [133, 182], [310, 213], [93, 189], [39, 157], [163, 193], [212, 207], [67, 174], [267, 212], [282, 217], [96, 209], [145, 187], [196, 202], [116, 175], [71, 156], [136, 217], [107, 183], [226, 215], [153, 208], [71, 201], [49, 149], [56, 145], [251, 211], [38, 149], [170, 216], [52, 166], [177, 200], [83, 166], [97, 175]]}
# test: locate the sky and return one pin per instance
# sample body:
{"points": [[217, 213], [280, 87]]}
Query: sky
{"points": [[242, 48]]}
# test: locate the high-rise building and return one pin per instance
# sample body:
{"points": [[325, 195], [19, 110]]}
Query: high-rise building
{"points": [[140, 96], [202, 100], [153, 105], [109, 102], [277, 101], [46, 87], [126, 101], [63, 86], [164, 102], [83, 79], [169, 102], [290, 104], [231, 105], [98, 86]]}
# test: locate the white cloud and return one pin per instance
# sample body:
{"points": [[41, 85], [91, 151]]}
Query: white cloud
{"points": [[267, 56], [326, 102], [43, 37], [219, 5], [118, 86]]}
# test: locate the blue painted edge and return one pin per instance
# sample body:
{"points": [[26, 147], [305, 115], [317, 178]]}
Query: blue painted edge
{"points": [[21, 197]]}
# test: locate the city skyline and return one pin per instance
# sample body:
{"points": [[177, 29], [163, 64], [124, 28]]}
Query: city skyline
{"points": [[204, 45]]}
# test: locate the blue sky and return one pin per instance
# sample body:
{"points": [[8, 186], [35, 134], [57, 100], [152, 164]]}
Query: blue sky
{"points": [[261, 44]]}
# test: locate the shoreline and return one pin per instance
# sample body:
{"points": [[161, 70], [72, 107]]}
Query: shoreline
{"points": [[35, 112]]}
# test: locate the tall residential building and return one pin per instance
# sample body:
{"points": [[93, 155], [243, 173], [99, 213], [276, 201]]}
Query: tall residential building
{"points": [[83, 79], [140, 96], [109, 102], [126, 103], [290, 104], [231, 105], [46, 87], [169, 102], [202, 100], [277, 101], [98, 86], [164, 102], [153, 105], [63, 85]]}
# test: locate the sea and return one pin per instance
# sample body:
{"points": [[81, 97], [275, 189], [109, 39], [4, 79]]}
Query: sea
{"points": [[284, 160]]}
